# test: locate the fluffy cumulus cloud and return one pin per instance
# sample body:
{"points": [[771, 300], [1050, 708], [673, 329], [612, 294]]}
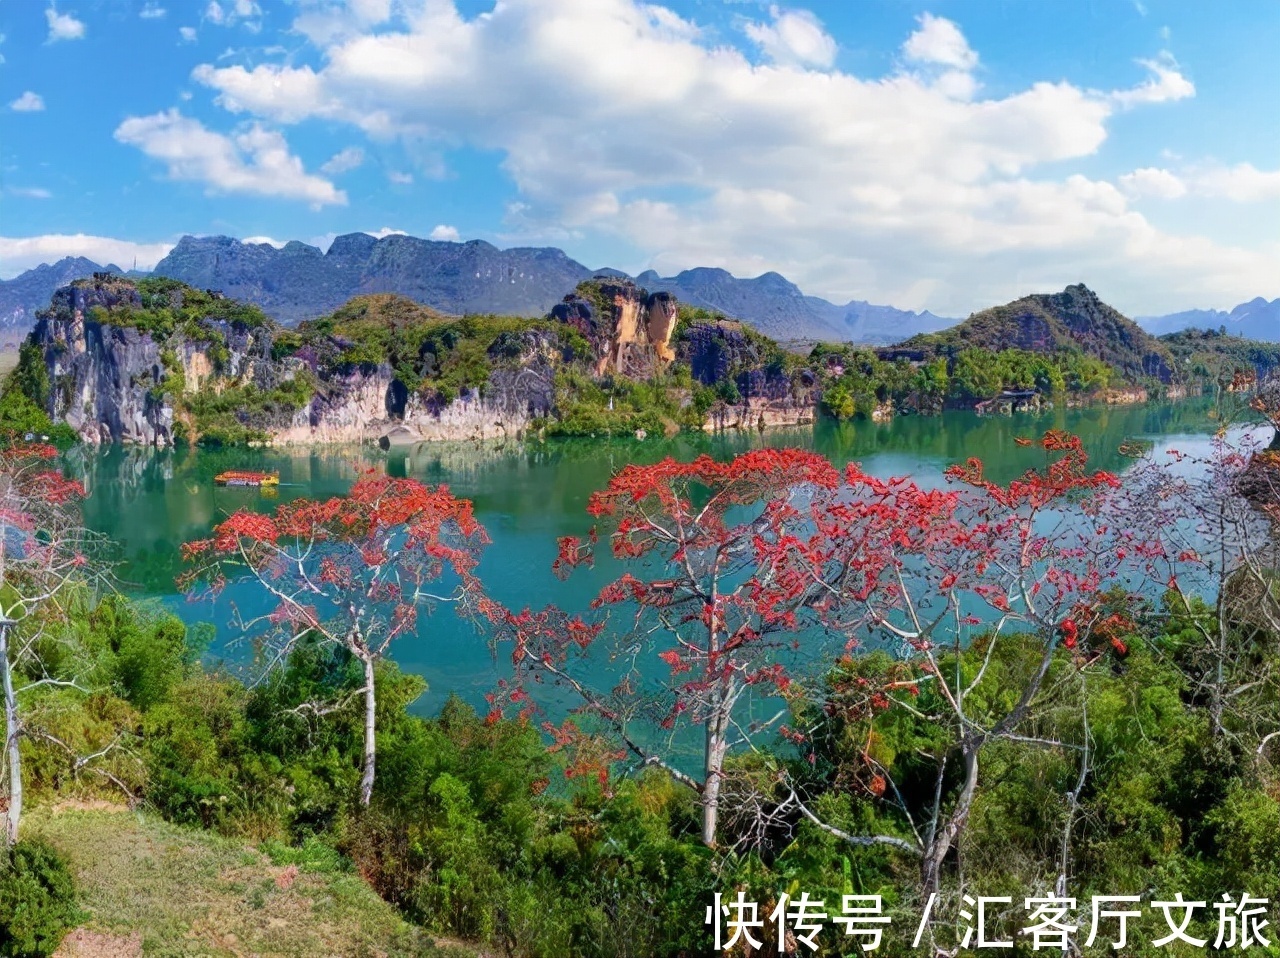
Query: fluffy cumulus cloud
{"points": [[911, 188], [151, 11], [939, 41], [794, 37], [22, 253], [188, 34], [27, 103], [1152, 181], [445, 234], [1242, 183], [63, 26], [254, 161]]}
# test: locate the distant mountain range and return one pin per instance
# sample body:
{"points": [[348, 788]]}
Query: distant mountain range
{"points": [[1256, 319], [298, 281], [21, 296]]}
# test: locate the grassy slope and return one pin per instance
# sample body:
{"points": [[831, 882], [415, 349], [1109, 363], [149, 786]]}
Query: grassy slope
{"points": [[183, 892]]}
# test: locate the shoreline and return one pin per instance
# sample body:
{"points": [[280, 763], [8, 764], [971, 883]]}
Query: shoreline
{"points": [[733, 426]]}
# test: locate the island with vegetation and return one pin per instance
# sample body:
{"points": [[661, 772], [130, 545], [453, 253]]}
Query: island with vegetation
{"points": [[156, 362]]}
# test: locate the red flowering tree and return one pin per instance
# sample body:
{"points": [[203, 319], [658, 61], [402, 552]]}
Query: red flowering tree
{"points": [[353, 571], [42, 549], [948, 581], [710, 603]]}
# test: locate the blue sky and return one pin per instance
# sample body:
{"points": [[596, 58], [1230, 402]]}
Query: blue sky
{"points": [[943, 155]]}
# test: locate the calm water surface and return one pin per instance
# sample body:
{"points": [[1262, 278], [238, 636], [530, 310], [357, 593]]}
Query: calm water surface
{"points": [[151, 501]]}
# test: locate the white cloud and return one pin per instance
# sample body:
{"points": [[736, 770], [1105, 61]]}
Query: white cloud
{"points": [[30, 192], [265, 239], [793, 38], [1243, 183], [27, 103], [254, 161], [188, 34], [1152, 181], [445, 233], [18, 254], [343, 161], [63, 26], [398, 178], [939, 41], [151, 10], [909, 188], [386, 231], [1166, 84]]}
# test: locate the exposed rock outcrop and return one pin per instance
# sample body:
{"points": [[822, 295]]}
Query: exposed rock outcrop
{"points": [[628, 328], [113, 382], [723, 352], [108, 381], [154, 362]]}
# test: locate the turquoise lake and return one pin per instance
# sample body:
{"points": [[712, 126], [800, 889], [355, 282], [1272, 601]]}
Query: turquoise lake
{"points": [[527, 494]]}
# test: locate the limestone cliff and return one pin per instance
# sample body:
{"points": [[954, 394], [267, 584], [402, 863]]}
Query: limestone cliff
{"points": [[154, 362], [113, 382], [116, 376], [629, 329], [766, 393]]}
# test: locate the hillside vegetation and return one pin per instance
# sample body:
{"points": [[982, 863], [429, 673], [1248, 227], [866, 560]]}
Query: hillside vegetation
{"points": [[568, 373], [1074, 320]]}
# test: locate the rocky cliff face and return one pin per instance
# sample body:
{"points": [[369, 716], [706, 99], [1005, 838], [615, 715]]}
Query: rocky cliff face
{"points": [[119, 383], [22, 296], [768, 396], [154, 362], [628, 328], [370, 403], [108, 381]]}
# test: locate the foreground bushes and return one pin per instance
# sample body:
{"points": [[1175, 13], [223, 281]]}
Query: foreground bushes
{"points": [[37, 900], [475, 832]]}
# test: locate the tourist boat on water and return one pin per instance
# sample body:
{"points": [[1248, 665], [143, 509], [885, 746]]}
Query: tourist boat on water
{"points": [[236, 478]]}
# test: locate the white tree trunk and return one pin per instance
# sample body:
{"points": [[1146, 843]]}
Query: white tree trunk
{"points": [[945, 837], [370, 736], [14, 813], [713, 772]]}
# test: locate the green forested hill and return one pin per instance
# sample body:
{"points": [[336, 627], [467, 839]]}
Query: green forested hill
{"points": [[1073, 320]]}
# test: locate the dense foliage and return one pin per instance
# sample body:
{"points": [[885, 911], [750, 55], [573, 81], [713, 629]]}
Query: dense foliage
{"points": [[37, 900], [859, 380], [1073, 320], [1220, 360], [24, 398], [1124, 773]]}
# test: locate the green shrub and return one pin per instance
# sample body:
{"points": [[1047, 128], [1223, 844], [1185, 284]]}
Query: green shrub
{"points": [[37, 900]]}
